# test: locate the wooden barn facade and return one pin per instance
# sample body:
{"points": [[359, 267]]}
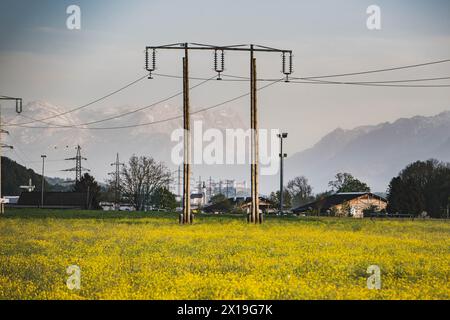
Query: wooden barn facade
{"points": [[344, 204]]}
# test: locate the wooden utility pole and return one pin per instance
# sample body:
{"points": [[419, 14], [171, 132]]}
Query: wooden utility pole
{"points": [[150, 65], [187, 140], [254, 214]]}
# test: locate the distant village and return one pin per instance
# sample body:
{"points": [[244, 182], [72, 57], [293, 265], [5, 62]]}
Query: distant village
{"points": [[347, 197]]}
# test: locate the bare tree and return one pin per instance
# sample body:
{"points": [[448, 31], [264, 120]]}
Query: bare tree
{"points": [[300, 190], [345, 182], [140, 177]]}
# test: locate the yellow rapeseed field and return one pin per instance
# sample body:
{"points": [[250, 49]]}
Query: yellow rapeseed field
{"points": [[149, 256]]}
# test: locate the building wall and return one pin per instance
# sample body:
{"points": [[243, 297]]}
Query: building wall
{"points": [[358, 205]]}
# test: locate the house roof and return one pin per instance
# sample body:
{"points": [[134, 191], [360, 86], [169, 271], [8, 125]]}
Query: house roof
{"points": [[335, 199], [233, 201]]}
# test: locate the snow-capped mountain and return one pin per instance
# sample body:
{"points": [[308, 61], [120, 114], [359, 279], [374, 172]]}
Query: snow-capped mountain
{"points": [[100, 146], [374, 154]]}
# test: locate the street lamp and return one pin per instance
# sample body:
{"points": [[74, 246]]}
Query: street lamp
{"points": [[282, 156], [43, 180]]}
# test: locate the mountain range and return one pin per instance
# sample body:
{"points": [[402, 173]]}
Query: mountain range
{"points": [[375, 153]]}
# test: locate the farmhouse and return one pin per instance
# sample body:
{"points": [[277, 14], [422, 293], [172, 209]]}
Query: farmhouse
{"points": [[198, 199], [345, 204]]}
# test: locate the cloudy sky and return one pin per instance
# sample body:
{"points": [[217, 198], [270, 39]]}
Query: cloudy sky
{"points": [[55, 69]]}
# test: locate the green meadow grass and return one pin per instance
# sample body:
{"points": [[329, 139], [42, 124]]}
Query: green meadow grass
{"points": [[138, 255]]}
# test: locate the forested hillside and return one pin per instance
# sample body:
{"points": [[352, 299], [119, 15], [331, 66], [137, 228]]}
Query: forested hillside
{"points": [[15, 175]]}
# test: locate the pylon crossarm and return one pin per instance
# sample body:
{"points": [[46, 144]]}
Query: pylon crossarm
{"points": [[198, 46]]}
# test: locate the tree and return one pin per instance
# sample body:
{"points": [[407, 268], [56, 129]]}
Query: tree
{"points": [[140, 177], [217, 198], [14, 175], [421, 186], [274, 199], [221, 202], [300, 191], [88, 185], [345, 182], [163, 198]]}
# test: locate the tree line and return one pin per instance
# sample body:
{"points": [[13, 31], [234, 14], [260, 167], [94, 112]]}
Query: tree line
{"points": [[422, 187]]}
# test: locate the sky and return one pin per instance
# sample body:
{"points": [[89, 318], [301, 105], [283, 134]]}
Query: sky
{"points": [[42, 61]]}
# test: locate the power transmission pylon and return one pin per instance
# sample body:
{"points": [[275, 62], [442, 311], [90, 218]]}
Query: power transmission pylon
{"points": [[78, 167], [150, 65], [18, 110], [116, 174]]}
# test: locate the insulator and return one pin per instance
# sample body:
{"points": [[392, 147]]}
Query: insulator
{"points": [[217, 68], [215, 59], [291, 68], [19, 105], [150, 67], [287, 70], [154, 59], [146, 59]]}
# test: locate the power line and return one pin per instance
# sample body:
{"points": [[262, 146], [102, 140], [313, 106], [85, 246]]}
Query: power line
{"points": [[119, 115], [18, 150], [395, 81], [378, 70], [85, 105], [375, 84], [311, 81], [197, 111], [157, 121], [361, 72], [305, 80], [240, 78], [363, 83], [383, 83]]}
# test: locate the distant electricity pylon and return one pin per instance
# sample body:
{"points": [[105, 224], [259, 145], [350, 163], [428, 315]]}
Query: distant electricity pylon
{"points": [[116, 175], [219, 67], [78, 168], [18, 110]]}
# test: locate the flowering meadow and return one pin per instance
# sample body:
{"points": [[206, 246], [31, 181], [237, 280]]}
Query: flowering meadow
{"points": [[150, 256]]}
